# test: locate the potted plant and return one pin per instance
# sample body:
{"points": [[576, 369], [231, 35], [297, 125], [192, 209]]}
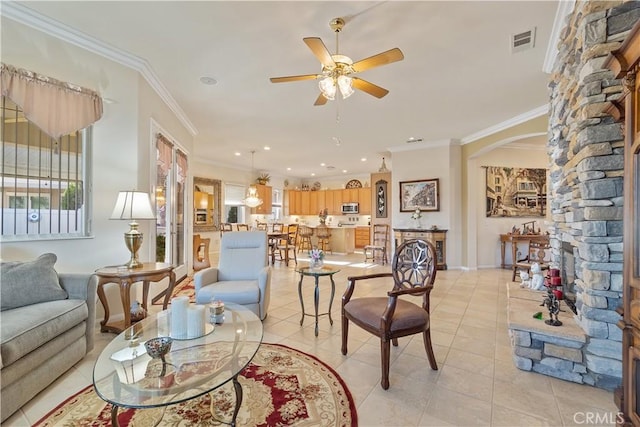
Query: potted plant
{"points": [[263, 178]]}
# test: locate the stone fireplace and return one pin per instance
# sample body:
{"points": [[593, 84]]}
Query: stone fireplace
{"points": [[586, 152]]}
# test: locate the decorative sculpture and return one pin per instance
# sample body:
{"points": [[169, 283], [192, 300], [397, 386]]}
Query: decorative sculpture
{"points": [[553, 305], [525, 279], [537, 280]]}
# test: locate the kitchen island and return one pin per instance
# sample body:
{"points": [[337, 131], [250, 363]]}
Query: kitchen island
{"points": [[342, 238]]}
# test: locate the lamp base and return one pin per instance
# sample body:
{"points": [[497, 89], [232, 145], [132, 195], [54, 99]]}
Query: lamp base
{"points": [[133, 240]]}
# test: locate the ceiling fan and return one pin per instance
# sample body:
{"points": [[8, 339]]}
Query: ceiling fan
{"points": [[338, 70]]}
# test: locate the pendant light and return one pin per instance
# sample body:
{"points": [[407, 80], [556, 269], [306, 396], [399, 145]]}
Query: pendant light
{"points": [[252, 200]]}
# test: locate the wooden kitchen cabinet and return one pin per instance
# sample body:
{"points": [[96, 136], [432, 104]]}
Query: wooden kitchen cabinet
{"points": [[264, 193], [364, 200], [362, 237], [305, 197], [438, 238], [294, 202], [350, 195], [338, 200]]}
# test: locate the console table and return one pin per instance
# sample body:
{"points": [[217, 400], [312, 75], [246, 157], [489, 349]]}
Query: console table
{"points": [[438, 238]]}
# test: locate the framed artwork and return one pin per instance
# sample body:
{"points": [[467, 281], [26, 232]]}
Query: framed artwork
{"points": [[516, 192], [422, 194], [381, 199]]}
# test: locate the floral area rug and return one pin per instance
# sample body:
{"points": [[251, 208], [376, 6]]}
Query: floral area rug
{"points": [[281, 387], [184, 288]]}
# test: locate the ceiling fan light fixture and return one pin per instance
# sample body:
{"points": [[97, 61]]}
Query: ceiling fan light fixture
{"points": [[328, 88], [346, 86]]}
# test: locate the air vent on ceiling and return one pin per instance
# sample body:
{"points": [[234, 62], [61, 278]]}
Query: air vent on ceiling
{"points": [[412, 140], [523, 41]]}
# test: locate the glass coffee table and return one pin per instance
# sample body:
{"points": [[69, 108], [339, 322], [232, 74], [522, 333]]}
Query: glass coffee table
{"points": [[127, 377]]}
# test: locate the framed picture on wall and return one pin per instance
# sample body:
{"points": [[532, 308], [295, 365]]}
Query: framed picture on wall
{"points": [[381, 199], [422, 194], [516, 192]]}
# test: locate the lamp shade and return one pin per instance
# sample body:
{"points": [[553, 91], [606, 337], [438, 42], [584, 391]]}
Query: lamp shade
{"points": [[133, 205]]}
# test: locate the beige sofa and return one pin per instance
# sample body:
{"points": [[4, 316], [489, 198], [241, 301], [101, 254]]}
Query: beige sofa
{"points": [[46, 326]]}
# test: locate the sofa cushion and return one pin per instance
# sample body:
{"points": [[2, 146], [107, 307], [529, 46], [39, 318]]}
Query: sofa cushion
{"points": [[26, 328], [30, 282]]}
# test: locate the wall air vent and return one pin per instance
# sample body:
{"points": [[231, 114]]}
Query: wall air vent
{"points": [[523, 41]]}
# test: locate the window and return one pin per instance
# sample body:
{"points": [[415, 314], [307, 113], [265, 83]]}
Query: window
{"points": [[44, 180]]}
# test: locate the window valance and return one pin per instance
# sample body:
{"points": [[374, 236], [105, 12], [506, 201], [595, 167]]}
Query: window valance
{"points": [[58, 108]]}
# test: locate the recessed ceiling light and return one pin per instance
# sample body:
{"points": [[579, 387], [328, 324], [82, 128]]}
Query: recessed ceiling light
{"points": [[206, 80], [323, 164], [364, 159], [313, 174], [237, 153], [288, 169], [344, 171], [267, 148]]}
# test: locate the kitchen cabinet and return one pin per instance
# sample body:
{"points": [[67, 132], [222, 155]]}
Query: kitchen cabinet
{"points": [[294, 202], [313, 203], [322, 200], [342, 240], [350, 195], [438, 238], [362, 237], [337, 201], [264, 193], [364, 200], [305, 196]]}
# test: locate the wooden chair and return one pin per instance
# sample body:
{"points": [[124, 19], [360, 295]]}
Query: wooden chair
{"points": [[538, 250], [324, 238], [390, 317], [225, 227], [261, 226], [287, 247], [243, 227], [200, 253], [305, 234], [377, 251]]}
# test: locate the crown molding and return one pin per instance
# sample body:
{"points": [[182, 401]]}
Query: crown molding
{"points": [[565, 7], [24, 15], [424, 145], [514, 121]]}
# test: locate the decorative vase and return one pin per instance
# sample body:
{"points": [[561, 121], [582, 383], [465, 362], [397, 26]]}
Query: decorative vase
{"points": [[316, 263]]}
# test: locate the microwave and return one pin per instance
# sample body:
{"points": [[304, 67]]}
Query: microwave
{"points": [[350, 208]]}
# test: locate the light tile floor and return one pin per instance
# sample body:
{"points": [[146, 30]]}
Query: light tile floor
{"points": [[476, 384]]}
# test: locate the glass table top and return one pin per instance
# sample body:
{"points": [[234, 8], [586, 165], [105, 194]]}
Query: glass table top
{"points": [[126, 376]]}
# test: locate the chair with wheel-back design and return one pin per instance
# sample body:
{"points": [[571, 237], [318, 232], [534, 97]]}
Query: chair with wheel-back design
{"points": [[390, 317]]}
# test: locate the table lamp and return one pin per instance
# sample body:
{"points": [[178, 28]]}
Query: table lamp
{"points": [[133, 205]]}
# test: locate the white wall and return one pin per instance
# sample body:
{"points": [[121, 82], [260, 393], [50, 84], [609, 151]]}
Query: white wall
{"points": [[488, 230]]}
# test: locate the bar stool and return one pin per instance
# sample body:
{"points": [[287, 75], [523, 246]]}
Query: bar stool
{"points": [[324, 236], [305, 234]]}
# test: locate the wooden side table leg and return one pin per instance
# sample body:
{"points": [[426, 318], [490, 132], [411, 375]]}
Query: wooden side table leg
{"points": [[169, 292], [502, 250], [105, 304], [145, 293], [125, 297]]}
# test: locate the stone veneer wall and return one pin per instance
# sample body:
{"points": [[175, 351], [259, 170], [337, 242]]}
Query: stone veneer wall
{"points": [[586, 176]]}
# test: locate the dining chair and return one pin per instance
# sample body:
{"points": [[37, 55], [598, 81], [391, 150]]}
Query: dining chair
{"points": [[377, 250], [538, 251], [276, 232], [225, 227], [261, 226], [287, 246], [243, 227], [390, 317]]}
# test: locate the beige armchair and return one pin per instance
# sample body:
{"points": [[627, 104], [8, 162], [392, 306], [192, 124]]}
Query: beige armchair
{"points": [[243, 275]]}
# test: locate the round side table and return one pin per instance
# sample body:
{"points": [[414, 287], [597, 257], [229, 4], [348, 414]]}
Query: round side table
{"points": [[317, 273]]}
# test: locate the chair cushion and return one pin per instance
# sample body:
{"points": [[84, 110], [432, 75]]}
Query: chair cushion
{"points": [[31, 282], [241, 292], [369, 311]]}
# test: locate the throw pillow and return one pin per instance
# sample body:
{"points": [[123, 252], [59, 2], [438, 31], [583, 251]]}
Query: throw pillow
{"points": [[31, 282]]}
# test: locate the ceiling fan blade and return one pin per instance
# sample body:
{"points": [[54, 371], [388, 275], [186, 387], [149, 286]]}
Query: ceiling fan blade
{"points": [[321, 100], [370, 88], [319, 50], [293, 78], [391, 55]]}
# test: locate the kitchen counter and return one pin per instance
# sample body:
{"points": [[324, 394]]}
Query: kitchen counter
{"points": [[342, 238]]}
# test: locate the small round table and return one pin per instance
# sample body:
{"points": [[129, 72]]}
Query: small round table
{"points": [[317, 273]]}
